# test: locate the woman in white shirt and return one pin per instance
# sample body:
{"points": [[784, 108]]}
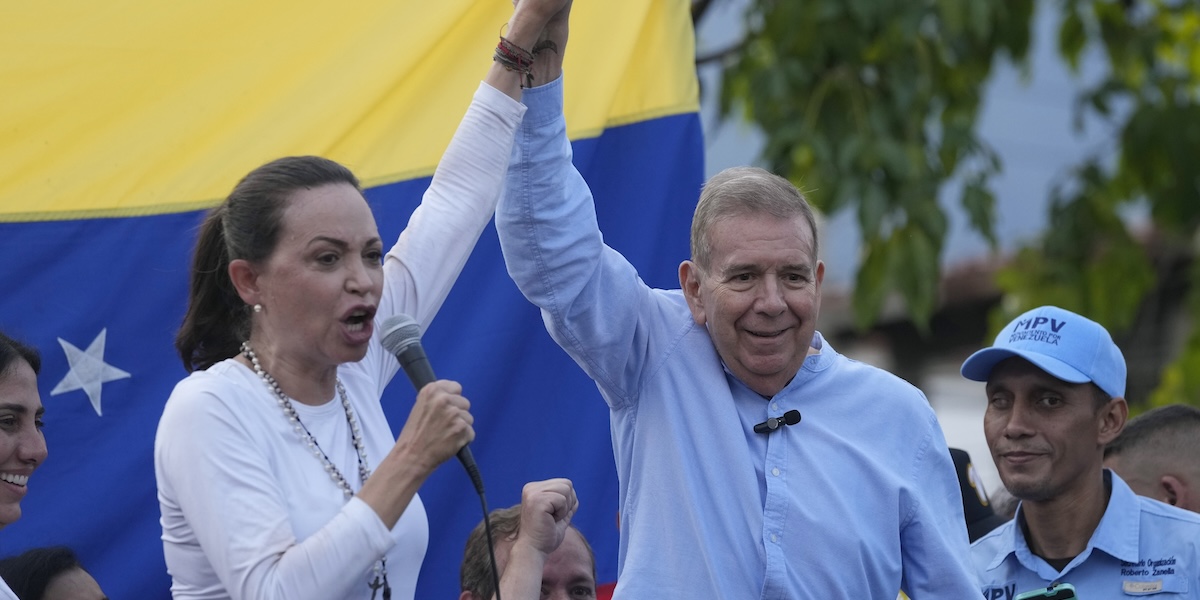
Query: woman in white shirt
{"points": [[278, 476]]}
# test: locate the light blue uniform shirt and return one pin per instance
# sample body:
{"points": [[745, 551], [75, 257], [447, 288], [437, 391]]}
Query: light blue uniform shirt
{"points": [[1141, 547], [856, 501]]}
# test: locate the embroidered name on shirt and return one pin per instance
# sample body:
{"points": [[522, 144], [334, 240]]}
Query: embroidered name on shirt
{"points": [[1144, 567]]}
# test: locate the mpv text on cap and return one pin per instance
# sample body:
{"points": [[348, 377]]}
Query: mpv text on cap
{"points": [[1068, 346]]}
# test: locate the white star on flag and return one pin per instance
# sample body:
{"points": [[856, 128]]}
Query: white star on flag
{"points": [[88, 370]]}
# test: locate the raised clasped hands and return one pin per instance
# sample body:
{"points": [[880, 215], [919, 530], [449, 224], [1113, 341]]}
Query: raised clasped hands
{"points": [[540, 14]]}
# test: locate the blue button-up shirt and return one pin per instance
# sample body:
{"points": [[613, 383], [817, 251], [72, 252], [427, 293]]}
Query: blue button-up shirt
{"points": [[1141, 547], [858, 500]]}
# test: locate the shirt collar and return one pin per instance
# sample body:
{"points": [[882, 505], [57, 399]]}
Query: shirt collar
{"points": [[1116, 535], [1011, 538], [1118, 532]]}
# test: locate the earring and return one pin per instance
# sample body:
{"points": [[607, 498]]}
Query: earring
{"points": [[257, 308]]}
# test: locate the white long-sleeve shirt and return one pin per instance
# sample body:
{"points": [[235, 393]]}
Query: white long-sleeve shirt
{"points": [[6, 592]]}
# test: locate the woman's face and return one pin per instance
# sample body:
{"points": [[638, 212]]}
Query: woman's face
{"points": [[22, 445], [320, 288]]}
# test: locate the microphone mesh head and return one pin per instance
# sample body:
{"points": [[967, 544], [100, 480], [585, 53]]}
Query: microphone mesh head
{"points": [[791, 417], [399, 332]]}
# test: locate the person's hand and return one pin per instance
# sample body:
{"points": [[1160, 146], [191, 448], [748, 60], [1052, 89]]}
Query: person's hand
{"points": [[551, 46], [555, 28], [537, 14], [546, 511], [438, 425], [537, 27], [561, 17]]}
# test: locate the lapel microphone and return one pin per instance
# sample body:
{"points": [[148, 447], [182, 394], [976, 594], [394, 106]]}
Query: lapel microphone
{"points": [[790, 417]]}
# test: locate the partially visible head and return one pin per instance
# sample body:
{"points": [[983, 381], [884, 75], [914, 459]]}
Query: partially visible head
{"points": [[754, 279], [22, 445], [977, 506], [1158, 455], [247, 226], [1055, 389], [1004, 503], [569, 572], [52, 573], [13, 353]]}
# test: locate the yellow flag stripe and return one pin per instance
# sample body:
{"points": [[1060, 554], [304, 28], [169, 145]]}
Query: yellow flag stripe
{"points": [[147, 107]]}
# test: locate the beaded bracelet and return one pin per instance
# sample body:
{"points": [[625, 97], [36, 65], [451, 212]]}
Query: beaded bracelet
{"points": [[515, 58]]}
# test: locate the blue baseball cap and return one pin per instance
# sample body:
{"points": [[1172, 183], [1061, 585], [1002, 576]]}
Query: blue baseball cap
{"points": [[1068, 346]]}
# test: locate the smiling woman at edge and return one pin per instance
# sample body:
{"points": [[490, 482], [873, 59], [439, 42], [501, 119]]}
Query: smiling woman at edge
{"points": [[277, 473], [22, 445]]}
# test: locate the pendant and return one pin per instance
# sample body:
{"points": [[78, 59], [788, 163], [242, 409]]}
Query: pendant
{"points": [[378, 583]]}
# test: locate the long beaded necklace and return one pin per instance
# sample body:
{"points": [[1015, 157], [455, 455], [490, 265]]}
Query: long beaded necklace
{"points": [[381, 580]]}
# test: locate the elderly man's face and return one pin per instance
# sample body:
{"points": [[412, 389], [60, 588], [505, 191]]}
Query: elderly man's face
{"points": [[759, 297]]}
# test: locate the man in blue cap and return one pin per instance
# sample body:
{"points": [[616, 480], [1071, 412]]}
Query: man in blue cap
{"points": [[1055, 392]]}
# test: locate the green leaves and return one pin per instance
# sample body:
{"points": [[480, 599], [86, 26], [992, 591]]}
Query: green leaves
{"points": [[1071, 37], [904, 260], [980, 205], [1160, 149], [1181, 378], [1090, 258], [874, 103]]}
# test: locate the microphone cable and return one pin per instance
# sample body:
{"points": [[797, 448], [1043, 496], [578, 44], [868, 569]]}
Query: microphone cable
{"points": [[400, 335], [487, 528], [472, 470]]}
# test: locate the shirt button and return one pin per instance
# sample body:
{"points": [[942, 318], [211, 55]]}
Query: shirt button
{"points": [[775, 471], [774, 539], [775, 406]]}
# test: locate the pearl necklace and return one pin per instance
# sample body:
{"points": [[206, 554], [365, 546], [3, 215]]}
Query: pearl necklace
{"points": [[311, 443]]}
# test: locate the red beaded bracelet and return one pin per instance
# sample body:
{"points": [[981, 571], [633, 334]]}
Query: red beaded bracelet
{"points": [[515, 58]]}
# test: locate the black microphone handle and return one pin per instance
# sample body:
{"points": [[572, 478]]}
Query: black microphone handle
{"points": [[416, 365], [468, 462], [767, 426]]}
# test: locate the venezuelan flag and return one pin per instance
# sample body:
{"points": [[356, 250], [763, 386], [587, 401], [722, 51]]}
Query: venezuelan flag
{"points": [[120, 122]]}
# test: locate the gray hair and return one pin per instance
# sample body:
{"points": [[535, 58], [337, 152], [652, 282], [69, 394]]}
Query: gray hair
{"points": [[745, 190]]}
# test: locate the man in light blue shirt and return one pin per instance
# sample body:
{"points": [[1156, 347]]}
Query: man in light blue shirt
{"points": [[858, 499], [1055, 392]]}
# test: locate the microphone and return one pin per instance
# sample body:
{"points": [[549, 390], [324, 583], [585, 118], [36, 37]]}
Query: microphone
{"points": [[790, 417], [402, 337]]}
